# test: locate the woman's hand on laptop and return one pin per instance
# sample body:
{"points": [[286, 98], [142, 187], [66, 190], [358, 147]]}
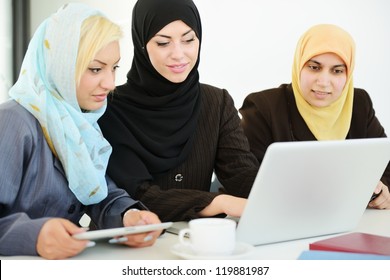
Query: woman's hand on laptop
{"points": [[382, 201], [225, 204]]}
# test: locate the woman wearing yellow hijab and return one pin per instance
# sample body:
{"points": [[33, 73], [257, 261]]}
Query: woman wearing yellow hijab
{"points": [[321, 103]]}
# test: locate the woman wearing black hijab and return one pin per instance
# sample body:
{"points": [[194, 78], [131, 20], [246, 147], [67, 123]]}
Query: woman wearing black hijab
{"points": [[169, 132]]}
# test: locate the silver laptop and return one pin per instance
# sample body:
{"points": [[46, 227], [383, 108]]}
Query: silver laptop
{"points": [[307, 189]]}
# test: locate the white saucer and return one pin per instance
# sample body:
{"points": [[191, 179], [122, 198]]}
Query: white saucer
{"points": [[185, 252]]}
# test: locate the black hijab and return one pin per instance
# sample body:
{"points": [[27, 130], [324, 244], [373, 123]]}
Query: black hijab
{"points": [[150, 121]]}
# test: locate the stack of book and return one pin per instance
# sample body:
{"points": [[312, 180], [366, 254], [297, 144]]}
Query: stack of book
{"points": [[350, 246]]}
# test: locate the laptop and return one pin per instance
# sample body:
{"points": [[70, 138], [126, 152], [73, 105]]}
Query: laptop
{"points": [[311, 188]]}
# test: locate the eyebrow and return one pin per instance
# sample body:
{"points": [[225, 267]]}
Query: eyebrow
{"points": [[101, 62], [168, 37], [319, 63]]}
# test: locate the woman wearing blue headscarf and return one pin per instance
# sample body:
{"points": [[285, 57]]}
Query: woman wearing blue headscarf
{"points": [[53, 156]]}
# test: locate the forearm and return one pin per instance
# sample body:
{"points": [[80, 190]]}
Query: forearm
{"points": [[174, 204], [225, 205], [18, 234], [214, 208]]}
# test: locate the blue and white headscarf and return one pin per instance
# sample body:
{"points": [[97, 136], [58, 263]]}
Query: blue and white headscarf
{"points": [[46, 87]]}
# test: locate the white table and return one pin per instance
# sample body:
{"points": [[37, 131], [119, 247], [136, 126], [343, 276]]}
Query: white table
{"points": [[373, 221]]}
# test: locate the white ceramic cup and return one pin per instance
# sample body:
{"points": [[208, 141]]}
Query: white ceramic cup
{"points": [[210, 236]]}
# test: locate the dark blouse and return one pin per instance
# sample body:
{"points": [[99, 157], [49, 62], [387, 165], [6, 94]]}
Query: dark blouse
{"points": [[220, 146]]}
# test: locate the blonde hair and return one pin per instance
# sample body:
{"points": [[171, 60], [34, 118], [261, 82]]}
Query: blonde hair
{"points": [[96, 33]]}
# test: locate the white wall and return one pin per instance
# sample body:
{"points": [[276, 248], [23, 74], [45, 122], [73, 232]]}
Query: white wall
{"points": [[6, 49], [248, 45]]}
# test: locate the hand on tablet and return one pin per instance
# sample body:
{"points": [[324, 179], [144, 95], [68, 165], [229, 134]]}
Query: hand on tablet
{"points": [[55, 239], [136, 218]]}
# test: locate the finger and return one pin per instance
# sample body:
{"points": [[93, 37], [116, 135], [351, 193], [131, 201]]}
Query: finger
{"points": [[141, 244], [142, 240], [133, 218], [62, 252], [381, 202], [149, 217], [378, 188], [71, 228]]}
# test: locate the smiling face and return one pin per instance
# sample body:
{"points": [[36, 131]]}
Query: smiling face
{"points": [[173, 51], [322, 80], [99, 78]]}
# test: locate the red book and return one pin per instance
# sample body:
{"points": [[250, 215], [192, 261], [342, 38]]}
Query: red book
{"points": [[356, 243]]}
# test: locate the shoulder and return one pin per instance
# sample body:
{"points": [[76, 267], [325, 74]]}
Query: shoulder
{"points": [[268, 97], [361, 98], [361, 94], [13, 108], [15, 116], [210, 88], [213, 94], [214, 91], [217, 103]]}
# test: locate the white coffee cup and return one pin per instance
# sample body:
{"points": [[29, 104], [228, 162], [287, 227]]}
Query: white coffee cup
{"points": [[210, 236]]}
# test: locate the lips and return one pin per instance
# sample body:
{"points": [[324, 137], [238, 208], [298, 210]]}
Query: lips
{"points": [[100, 97], [321, 94], [178, 68], [317, 92]]}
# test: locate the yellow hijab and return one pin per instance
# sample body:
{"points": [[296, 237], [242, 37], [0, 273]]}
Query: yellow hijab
{"points": [[332, 122]]}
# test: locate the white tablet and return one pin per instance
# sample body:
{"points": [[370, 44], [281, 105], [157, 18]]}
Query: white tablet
{"points": [[115, 232]]}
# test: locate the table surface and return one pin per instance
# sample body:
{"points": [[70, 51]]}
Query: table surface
{"points": [[373, 221]]}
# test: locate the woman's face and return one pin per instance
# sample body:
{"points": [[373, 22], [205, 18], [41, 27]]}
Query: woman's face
{"points": [[323, 78], [99, 79], [173, 51]]}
